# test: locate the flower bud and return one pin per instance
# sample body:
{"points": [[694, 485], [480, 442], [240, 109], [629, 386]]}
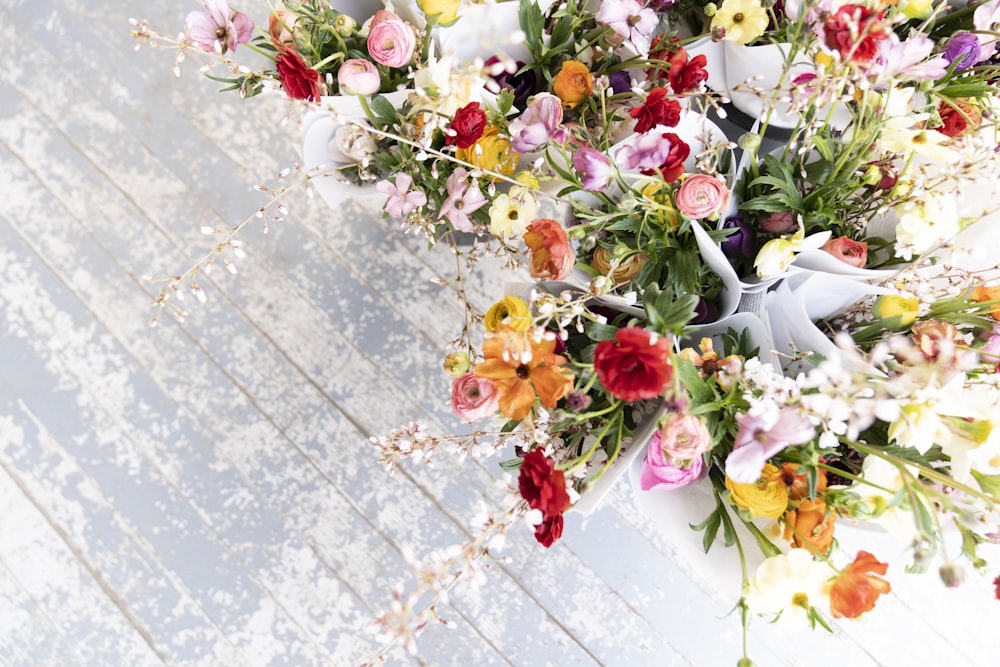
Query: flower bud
{"points": [[345, 25], [746, 662], [898, 312], [749, 141], [457, 364], [952, 574]]}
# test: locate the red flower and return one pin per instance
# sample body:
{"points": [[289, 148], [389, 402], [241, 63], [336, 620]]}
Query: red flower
{"points": [[632, 367], [544, 488], [687, 75], [549, 530], [854, 31], [468, 124], [996, 584], [857, 587], [658, 110], [958, 118], [673, 166], [300, 81]]}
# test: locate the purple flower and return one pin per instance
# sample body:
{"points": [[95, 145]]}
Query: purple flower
{"points": [[401, 201], [219, 24], [647, 151], [464, 197], [963, 49], [763, 436], [705, 311], [659, 471], [540, 123], [620, 82], [630, 20], [521, 85], [594, 166], [741, 242]]}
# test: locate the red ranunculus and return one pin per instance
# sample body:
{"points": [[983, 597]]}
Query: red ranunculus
{"points": [[631, 366], [549, 530], [658, 110], [854, 31], [300, 81], [687, 75], [958, 118], [468, 124], [542, 485], [673, 166], [996, 585]]}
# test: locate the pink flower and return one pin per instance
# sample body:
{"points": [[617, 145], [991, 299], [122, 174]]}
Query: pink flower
{"points": [[358, 76], [702, 196], [991, 350], [684, 437], [401, 201], [763, 436], [630, 20], [781, 222], [463, 198], [594, 166], [552, 255], [219, 24], [391, 40], [660, 471], [850, 252], [647, 152], [540, 123], [473, 397]]}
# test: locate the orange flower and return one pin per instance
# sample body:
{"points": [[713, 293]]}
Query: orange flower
{"points": [[857, 588], [708, 363], [989, 293], [552, 256], [810, 526], [798, 482], [522, 368], [574, 83]]}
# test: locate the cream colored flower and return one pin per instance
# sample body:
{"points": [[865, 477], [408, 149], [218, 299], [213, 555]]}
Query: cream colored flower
{"points": [[777, 254], [925, 224], [743, 20], [511, 213], [790, 584]]}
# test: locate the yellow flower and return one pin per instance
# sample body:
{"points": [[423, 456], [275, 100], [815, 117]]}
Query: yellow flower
{"points": [[511, 214], [624, 271], [511, 312], [917, 9], [743, 20], [492, 152], [574, 83], [457, 364], [777, 254], [767, 497], [897, 312], [445, 10]]}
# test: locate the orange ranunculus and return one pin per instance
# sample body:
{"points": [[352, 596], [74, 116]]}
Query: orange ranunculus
{"points": [[798, 481], [989, 293], [574, 83], [810, 526], [552, 256], [857, 587], [522, 368]]}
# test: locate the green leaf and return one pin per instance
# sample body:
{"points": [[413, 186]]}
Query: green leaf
{"points": [[598, 332], [529, 15], [711, 527], [385, 113], [691, 379], [988, 483], [511, 465]]}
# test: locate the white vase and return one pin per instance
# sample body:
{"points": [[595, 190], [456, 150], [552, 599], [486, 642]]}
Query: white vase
{"points": [[321, 156]]}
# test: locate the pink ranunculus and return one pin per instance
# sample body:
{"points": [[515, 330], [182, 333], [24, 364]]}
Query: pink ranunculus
{"points": [[781, 222], [391, 40], [848, 251], [358, 76], [552, 255], [473, 398], [684, 437], [279, 26], [594, 166], [661, 471], [702, 196]]}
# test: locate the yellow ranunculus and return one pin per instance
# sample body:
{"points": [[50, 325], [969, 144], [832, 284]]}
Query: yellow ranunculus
{"points": [[898, 312], [511, 312], [767, 497], [917, 9], [445, 10], [492, 152]]}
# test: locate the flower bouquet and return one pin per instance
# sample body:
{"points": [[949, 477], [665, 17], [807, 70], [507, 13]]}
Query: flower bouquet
{"points": [[782, 319]]}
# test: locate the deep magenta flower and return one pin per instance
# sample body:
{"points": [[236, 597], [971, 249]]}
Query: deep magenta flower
{"points": [[763, 436], [464, 197], [219, 24]]}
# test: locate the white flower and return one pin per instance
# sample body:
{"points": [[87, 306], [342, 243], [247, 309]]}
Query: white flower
{"points": [[350, 143], [925, 224], [777, 254], [790, 584]]}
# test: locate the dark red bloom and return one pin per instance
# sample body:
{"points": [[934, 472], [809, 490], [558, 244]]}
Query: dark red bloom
{"points": [[300, 81], [632, 367], [468, 124], [687, 75], [996, 584], [662, 49], [854, 31], [958, 118], [673, 166], [657, 110], [542, 485], [549, 530]]}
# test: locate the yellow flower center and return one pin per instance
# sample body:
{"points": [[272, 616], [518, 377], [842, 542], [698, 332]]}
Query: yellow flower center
{"points": [[801, 600]]}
